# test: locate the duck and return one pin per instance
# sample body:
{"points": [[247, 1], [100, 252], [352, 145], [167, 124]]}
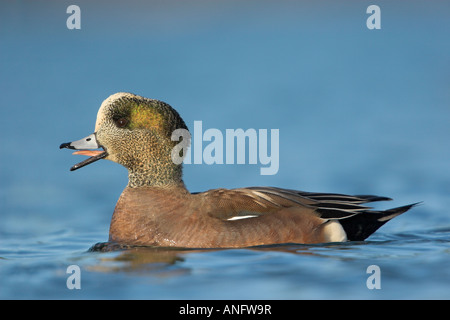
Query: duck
{"points": [[156, 209]]}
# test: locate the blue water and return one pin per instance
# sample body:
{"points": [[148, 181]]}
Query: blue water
{"points": [[359, 111]]}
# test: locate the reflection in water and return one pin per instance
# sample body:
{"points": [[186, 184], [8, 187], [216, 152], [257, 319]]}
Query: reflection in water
{"points": [[172, 262], [137, 259], [166, 262]]}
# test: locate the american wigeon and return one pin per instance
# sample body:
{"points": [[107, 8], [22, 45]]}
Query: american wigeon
{"points": [[156, 209]]}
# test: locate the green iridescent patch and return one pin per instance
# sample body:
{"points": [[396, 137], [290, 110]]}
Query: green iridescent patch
{"points": [[143, 117]]}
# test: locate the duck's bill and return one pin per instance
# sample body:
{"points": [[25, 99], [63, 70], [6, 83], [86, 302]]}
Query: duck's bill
{"points": [[90, 142], [94, 156]]}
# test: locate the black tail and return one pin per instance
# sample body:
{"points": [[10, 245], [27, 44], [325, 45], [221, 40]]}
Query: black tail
{"points": [[358, 220], [360, 226]]}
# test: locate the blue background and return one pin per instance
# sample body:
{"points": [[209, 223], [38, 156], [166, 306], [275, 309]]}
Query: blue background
{"points": [[359, 111]]}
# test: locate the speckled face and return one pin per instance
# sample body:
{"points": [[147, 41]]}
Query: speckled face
{"points": [[136, 133]]}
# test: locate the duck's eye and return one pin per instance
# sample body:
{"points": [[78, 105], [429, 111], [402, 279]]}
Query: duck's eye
{"points": [[122, 122]]}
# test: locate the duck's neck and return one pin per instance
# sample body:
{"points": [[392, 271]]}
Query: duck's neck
{"points": [[155, 176]]}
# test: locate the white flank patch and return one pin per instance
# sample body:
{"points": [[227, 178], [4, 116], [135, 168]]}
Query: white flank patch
{"points": [[334, 232]]}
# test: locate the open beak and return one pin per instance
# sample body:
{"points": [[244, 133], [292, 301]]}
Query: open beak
{"points": [[90, 142]]}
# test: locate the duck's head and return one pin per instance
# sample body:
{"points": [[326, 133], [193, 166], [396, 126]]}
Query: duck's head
{"points": [[135, 132]]}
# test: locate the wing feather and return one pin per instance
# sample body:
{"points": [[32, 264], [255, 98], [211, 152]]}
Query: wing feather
{"points": [[252, 202]]}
